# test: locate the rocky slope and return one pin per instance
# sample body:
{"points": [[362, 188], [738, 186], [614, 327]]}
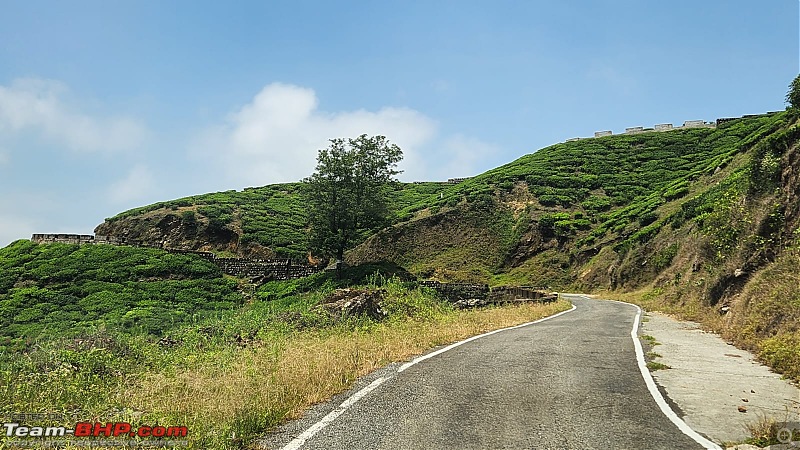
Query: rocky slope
{"points": [[720, 244], [268, 221], [181, 228]]}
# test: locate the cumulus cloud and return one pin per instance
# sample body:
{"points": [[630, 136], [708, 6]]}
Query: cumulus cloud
{"points": [[39, 105], [137, 184], [465, 154], [275, 137]]}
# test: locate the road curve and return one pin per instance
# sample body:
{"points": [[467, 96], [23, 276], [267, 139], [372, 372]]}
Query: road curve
{"points": [[569, 382]]}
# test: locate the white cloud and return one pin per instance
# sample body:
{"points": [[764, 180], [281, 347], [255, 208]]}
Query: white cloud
{"points": [[275, 137], [451, 156], [39, 105], [465, 154], [138, 184]]}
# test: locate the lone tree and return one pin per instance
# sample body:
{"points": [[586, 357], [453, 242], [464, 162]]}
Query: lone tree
{"points": [[793, 96], [347, 193]]}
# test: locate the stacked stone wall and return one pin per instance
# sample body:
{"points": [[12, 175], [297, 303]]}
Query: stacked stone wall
{"points": [[254, 268], [458, 291], [500, 294]]}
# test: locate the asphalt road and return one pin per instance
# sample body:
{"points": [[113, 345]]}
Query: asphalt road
{"points": [[569, 382]]}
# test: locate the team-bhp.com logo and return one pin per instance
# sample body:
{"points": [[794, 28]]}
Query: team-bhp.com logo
{"points": [[88, 429]]}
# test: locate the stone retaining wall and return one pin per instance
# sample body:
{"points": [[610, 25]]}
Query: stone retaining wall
{"points": [[262, 269], [459, 292]]}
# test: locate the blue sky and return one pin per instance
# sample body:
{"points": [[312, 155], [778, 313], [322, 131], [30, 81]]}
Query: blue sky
{"points": [[106, 106]]}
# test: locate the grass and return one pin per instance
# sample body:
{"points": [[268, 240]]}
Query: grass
{"points": [[763, 318], [650, 339], [230, 379], [651, 355], [579, 193], [52, 290], [763, 431], [653, 366], [283, 379], [649, 216]]}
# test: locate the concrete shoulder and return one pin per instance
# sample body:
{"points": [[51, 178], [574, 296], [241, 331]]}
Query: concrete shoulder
{"points": [[718, 387]]}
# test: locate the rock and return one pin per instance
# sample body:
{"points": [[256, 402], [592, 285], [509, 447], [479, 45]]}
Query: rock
{"points": [[471, 303], [739, 272], [742, 409], [167, 341], [354, 303]]}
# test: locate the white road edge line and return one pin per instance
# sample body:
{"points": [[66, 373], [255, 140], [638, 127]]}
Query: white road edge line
{"points": [[298, 442], [452, 346], [654, 392], [331, 416]]}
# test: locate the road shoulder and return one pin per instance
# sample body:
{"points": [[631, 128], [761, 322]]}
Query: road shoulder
{"points": [[717, 387]]}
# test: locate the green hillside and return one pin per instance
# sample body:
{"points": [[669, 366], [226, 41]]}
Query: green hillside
{"points": [[599, 184], [563, 203], [58, 290], [265, 221], [703, 223], [538, 220]]}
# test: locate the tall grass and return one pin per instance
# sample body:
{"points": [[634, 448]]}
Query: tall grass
{"points": [[226, 391]]}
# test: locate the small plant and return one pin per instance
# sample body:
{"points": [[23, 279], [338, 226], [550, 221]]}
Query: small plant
{"points": [[653, 366], [650, 339], [189, 218], [763, 431]]}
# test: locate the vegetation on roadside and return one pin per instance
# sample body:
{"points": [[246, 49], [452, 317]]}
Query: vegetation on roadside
{"points": [[703, 223], [230, 377], [764, 431], [655, 365], [58, 290], [347, 195]]}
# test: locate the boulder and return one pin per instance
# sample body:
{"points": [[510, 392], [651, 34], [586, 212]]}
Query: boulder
{"points": [[354, 303]]}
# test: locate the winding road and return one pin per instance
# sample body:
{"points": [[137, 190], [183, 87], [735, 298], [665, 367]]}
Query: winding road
{"points": [[572, 381]]}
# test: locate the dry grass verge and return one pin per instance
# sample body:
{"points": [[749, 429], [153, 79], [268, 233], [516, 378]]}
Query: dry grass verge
{"points": [[228, 400]]}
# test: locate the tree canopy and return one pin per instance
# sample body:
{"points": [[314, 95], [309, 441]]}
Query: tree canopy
{"points": [[793, 96], [347, 193]]}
